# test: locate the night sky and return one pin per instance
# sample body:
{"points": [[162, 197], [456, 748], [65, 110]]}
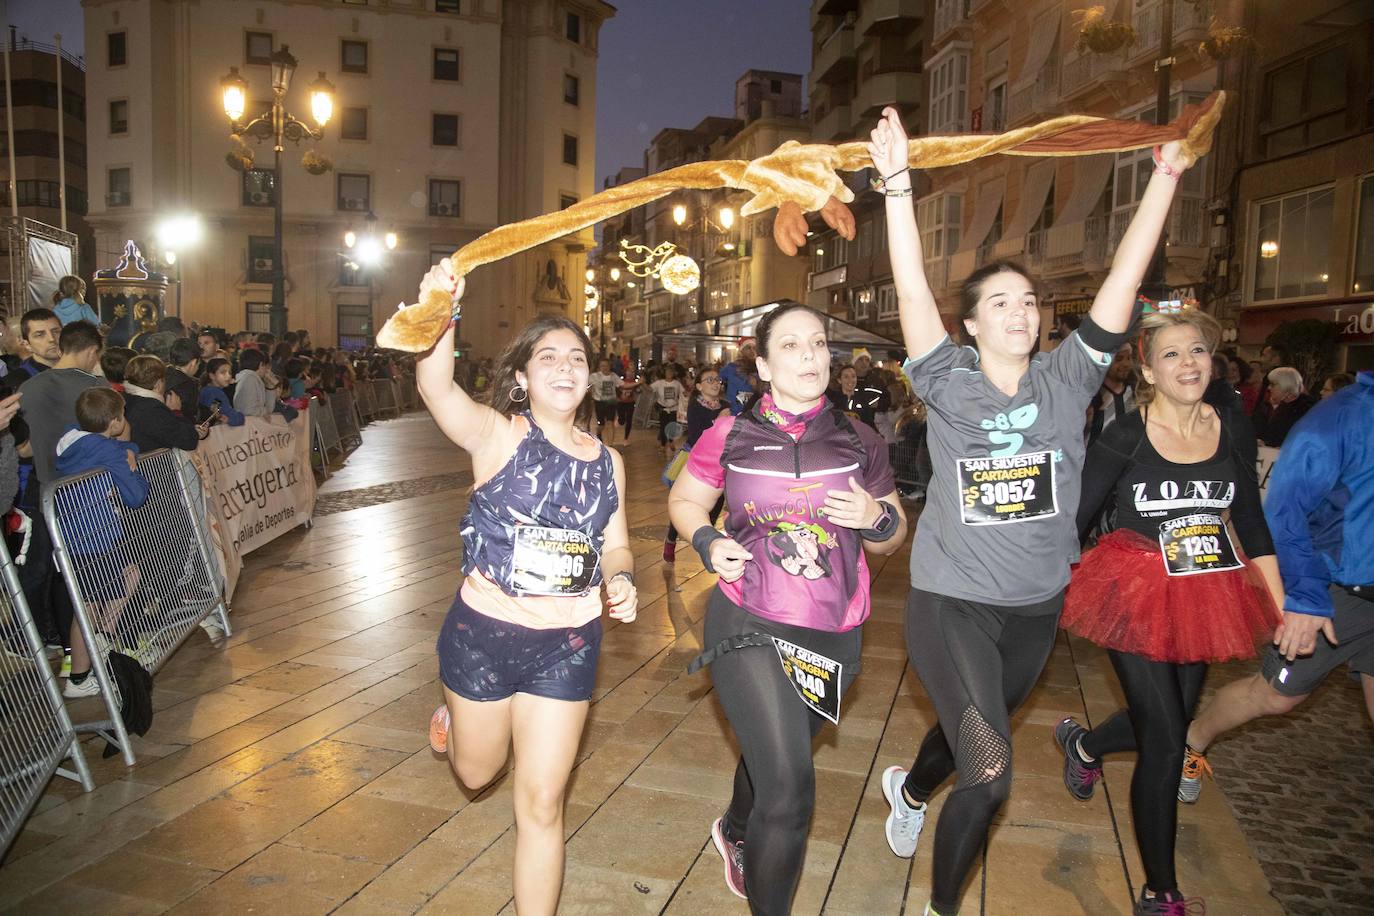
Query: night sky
{"points": [[663, 63], [669, 63]]}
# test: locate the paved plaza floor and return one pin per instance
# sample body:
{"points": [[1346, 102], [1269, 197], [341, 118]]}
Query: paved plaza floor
{"points": [[288, 770]]}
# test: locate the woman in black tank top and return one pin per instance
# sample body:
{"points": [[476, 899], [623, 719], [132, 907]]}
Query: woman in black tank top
{"points": [[1167, 591]]}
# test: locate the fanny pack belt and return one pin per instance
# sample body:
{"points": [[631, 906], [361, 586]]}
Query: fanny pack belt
{"points": [[728, 645], [1360, 591]]}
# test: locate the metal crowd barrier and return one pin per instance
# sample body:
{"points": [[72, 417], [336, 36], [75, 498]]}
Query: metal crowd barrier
{"points": [[142, 579], [646, 410], [324, 433], [345, 412], [385, 396], [36, 734], [910, 464], [365, 400]]}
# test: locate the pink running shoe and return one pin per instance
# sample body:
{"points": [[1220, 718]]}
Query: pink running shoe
{"points": [[438, 730]]}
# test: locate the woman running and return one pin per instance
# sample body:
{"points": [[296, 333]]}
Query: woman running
{"points": [[545, 529], [1167, 592], [808, 491], [992, 551], [702, 410]]}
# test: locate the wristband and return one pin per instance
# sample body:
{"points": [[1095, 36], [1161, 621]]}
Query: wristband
{"points": [[900, 192], [627, 574], [702, 540], [1103, 341], [884, 528], [1163, 168], [880, 183]]}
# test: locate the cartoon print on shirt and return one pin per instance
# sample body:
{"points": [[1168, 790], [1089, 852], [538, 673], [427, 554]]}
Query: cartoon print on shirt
{"points": [[1003, 429], [800, 549]]}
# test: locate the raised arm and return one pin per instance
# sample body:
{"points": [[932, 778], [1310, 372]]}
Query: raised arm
{"points": [[922, 328], [468, 424], [1115, 302]]}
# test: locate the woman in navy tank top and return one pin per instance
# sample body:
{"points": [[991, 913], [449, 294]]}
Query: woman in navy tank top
{"points": [[544, 532]]}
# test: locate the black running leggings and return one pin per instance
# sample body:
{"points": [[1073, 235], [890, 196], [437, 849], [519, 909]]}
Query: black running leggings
{"points": [[1160, 699], [978, 662], [775, 781]]}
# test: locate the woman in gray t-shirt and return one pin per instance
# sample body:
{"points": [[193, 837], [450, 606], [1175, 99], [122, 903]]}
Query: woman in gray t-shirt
{"points": [[994, 543]]}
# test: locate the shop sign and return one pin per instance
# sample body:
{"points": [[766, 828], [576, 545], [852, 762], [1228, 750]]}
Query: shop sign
{"points": [[829, 277]]}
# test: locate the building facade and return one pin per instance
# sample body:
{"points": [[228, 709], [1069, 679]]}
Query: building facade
{"points": [[739, 264], [866, 56], [451, 117], [37, 174], [1297, 237]]}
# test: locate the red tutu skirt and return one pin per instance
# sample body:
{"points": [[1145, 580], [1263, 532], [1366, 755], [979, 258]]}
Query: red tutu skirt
{"points": [[1121, 597]]}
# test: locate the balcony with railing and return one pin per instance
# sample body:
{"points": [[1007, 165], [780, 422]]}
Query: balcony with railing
{"points": [[1036, 99], [1086, 71], [892, 87], [881, 17], [1190, 24], [1009, 247], [1072, 248], [1185, 227], [834, 60], [1034, 254]]}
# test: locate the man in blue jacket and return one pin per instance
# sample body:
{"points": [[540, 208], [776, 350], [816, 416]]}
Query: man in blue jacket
{"points": [[1320, 509]]}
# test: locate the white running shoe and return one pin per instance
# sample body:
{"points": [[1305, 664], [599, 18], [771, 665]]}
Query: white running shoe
{"points": [[905, 822], [89, 687]]}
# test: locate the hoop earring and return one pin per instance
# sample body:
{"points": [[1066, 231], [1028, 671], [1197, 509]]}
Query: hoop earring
{"points": [[524, 395]]}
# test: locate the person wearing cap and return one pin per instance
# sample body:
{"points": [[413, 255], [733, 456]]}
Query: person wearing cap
{"points": [[740, 377], [868, 388]]}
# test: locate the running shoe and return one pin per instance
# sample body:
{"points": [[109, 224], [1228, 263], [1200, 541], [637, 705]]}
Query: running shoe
{"points": [[438, 730], [733, 856], [904, 823], [670, 551], [89, 687], [1079, 778], [1190, 783], [1169, 903]]}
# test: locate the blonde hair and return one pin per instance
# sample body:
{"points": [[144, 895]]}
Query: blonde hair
{"points": [[69, 287], [1157, 322]]}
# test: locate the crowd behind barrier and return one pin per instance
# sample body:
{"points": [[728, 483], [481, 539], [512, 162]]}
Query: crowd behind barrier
{"points": [[143, 577]]}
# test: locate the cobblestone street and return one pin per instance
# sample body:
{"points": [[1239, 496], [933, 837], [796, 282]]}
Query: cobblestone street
{"points": [[287, 769]]}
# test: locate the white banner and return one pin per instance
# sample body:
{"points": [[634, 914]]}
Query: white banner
{"points": [[260, 484]]}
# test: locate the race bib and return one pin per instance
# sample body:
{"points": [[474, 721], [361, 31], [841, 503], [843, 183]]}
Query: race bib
{"points": [[607, 391], [1197, 544], [815, 678], [552, 561], [994, 491]]}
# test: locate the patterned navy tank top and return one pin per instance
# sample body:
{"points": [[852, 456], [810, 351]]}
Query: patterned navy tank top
{"points": [[537, 526]]}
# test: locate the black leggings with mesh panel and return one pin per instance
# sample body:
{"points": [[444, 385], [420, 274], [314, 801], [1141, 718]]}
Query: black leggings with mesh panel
{"points": [[978, 662], [775, 780], [1160, 699]]}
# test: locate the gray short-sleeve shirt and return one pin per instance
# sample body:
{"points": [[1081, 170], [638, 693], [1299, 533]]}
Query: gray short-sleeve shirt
{"points": [[999, 521]]}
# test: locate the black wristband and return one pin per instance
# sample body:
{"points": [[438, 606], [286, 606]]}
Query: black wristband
{"points": [[885, 528], [702, 540], [1101, 340], [627, 574]]}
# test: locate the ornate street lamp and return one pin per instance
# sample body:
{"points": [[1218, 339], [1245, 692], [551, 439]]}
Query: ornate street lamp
{"points": [[367, 251], [278, 125]]}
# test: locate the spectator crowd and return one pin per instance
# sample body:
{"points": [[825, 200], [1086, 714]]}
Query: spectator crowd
{"points": [[71, 403]]}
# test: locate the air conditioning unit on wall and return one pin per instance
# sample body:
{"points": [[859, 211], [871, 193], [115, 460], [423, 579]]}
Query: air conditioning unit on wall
{"points": [[262, 264], [443, 209], [260, 198]]}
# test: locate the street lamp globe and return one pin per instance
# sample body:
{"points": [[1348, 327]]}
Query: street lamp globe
{"points": [[350, 238], [727, 217], [615, 274], [679, 214], [283, 65], [591, 275], [322, 100], [234, 92], [391, 240]]}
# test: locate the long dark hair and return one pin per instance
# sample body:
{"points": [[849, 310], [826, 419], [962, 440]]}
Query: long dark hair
{"points": [[972, 290], [516, 356]]}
